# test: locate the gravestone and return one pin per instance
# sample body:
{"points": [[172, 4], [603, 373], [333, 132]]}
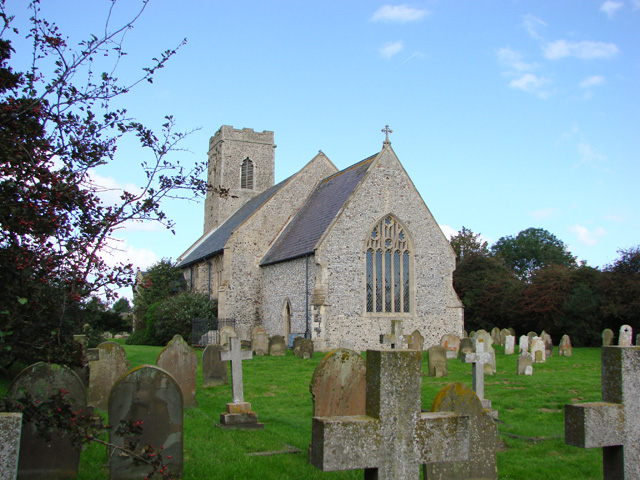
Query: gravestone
{"points": [[537, 350], [530, 336], [83, 370], [306, 348], [523, 344], [111, 363], [395, 338], [548, 344], [512, 331], [479, 359], [277, 346], [528, 370], [338, 384], [238, 414], [296, 345], [416, 341], [483, 437], [564, 350], [451, 344], [151, 395], [524, 360], [181, 361], [10, 430], [394, 438], [466, 346], [495, 335], [612, 424], [607, 337], [214, 370], [509, 344], [626, 336], [56, 458], [225, 334], [259, 341], [437, 357], [503, 336]]}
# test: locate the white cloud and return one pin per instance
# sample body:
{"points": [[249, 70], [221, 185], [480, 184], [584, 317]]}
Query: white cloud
{"points": [[391, 49], [610, 8], [531, 24], [398, 14], [636, 4], [587, 155], [588, 237], [513, 60], [109, 189], [531, 83], [448, 231], [592, 81], [542, 213], [118, 251], [585, 50]]}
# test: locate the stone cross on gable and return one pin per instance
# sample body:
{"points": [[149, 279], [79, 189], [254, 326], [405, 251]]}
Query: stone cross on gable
{"points": [[393, 439], [614, 423], [396, 339], [235, 355], [386, 130], [478, 359]]}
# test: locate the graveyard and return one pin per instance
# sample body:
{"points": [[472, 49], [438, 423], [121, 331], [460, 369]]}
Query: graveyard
{"points": [[531, 431]]}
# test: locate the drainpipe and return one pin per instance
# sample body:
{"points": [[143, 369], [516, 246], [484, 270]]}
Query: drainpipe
{"points": [[307, 333], [209, 271]]}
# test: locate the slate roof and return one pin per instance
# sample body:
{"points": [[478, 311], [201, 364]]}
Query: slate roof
{"points": [[214, 241], [314, 217]]}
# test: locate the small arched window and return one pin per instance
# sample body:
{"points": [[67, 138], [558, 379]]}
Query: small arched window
{"points": [[246, 174], [388, 274]]}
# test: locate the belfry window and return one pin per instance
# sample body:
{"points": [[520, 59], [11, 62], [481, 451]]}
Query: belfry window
{"points": [[388, 274], [246, 174]]}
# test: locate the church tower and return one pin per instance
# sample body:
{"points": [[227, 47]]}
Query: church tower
{"points": [[242, 161]]}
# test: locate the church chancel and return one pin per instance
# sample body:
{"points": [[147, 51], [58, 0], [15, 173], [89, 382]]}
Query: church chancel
{"points": [[338, 256]]}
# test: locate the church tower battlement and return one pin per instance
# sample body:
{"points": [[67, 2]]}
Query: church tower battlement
{"points": [[242, 161]]}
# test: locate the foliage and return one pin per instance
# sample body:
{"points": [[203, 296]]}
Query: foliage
{"points": [[57, 128], [102, 318], [121, 306], [621, 290], [467, 244]]}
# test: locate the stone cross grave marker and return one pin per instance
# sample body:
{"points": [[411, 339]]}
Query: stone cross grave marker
{"points": [[10, 430], [238, 414], [181, 361], [478, 360], [396, 339], [626, 336], [393, 439], [614, 423]]}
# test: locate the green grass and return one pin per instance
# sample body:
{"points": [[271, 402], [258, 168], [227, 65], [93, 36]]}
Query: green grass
{"points": [[530, 407]]}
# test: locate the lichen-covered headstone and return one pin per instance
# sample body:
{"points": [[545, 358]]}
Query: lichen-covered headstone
{"points": [[495, 335], [466, 346], [451, 344], [607, 337], [57, 458], [225, 334], [110, 365], [296, 345], [215, 371], [523, 344], [277, 346], [524, 360], [259, 341], [306, 348], [437, 357], [509, 344], [181, 361], [530, 336], [483, 437], [548, 344], [626, 336], [151, 395], [10, 430], [614, 423], [416, 341], [564, 350], [503, 336], [537, 350], [338, 384]]}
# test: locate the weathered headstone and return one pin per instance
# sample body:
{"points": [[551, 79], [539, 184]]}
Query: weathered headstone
{"points": [[181, 361], [537, 350], [530, 336], [479, 359], [83, 370], [613, 423], [306, 348], [338, 384], [437, 357], [503, 336], [110, 365], [466, 346], [226, 333], [296, 345], [483, 437], [489, 367], [395, 338], [277, 346], [495, 335], [57, 458], [259, 341], [512, 331], [416, 341], [393, 439], [564, 350], [509, 344], [238, 414], [151, 395], [10, 430], [528, 370], [524, 360], [607, 337], [214, 370], [523, 344], [451, 344], [548, 344], [626, 336]]}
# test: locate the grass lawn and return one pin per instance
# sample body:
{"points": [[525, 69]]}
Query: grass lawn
{"points": [[531, 419]]}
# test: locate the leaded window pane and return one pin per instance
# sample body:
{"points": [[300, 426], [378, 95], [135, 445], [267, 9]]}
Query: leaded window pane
{"points": [[246, 174], [369, 280], [405, 274], [387, 281], [397, 285], [379, 281]]}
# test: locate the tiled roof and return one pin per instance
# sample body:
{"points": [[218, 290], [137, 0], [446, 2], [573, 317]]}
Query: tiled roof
{"points": [[314, 217], [214, 241]]}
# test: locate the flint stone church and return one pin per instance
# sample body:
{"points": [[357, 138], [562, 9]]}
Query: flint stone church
{"points": [[333, 255]]}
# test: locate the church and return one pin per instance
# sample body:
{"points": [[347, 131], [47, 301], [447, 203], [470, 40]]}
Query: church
{"points": [[333, 255]]}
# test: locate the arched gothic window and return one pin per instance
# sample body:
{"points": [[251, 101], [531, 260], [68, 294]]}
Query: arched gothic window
{"points": [[388, 264], [246, 174]]}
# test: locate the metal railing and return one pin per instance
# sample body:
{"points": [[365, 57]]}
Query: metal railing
{"points": [[206, 331]]}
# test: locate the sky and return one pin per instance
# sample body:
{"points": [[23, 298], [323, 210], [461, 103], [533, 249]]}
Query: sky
{"points": [[506, 114]]}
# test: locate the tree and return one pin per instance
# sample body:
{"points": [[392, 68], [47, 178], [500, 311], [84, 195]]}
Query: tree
{"points": [[121, 306], [57, 125], [466, 243], [532, 249], [621, 290]]}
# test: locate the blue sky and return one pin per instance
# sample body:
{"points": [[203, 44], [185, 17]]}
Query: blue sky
{"points": [[506, 114]]}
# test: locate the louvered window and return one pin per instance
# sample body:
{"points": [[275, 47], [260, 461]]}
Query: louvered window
{"points": [[246, 174]]}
